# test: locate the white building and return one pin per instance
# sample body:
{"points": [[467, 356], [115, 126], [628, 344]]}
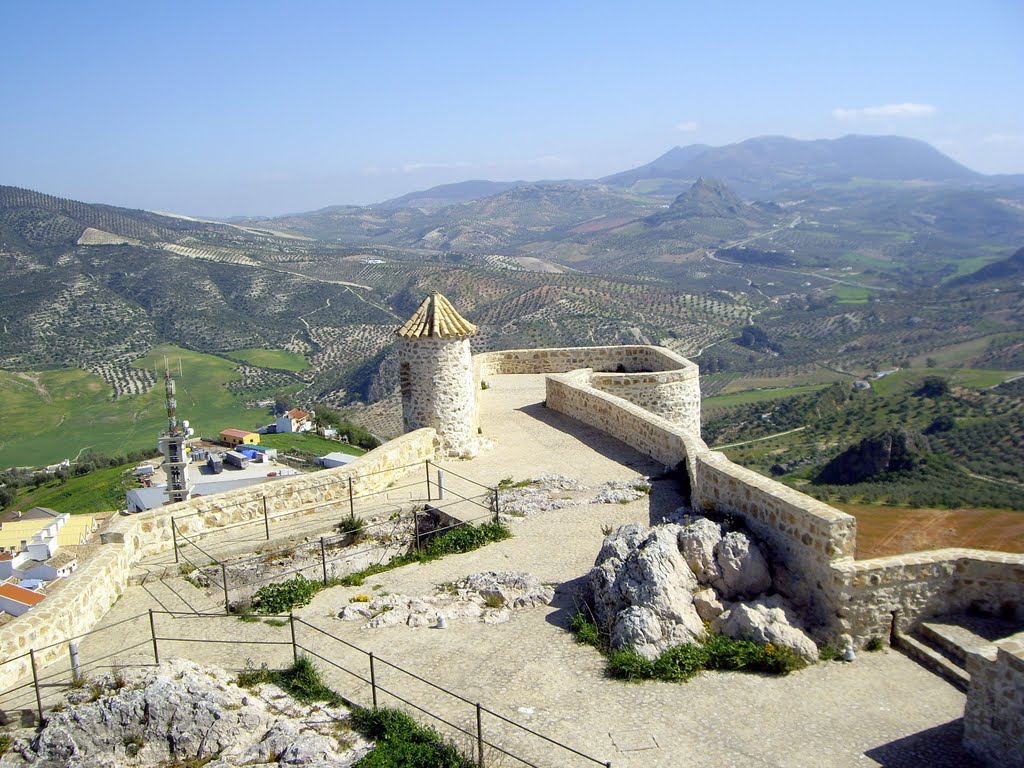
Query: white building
{"points": [[295, 420], [16, 600], [336, 459]]}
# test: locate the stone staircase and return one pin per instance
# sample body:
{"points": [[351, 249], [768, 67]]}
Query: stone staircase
{"points": [[943, 644]]}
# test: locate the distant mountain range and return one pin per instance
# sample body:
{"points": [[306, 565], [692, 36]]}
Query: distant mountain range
{"points": [[761, 167]]}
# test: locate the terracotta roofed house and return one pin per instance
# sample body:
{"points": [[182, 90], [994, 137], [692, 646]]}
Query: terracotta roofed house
{"points": [[17, 600], [295, 420]]}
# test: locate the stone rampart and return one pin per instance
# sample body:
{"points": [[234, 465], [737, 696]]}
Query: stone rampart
{"points": [[920, 585], [994, 713], [88, 595], [654, 378], [659, 438], [805, 535]]}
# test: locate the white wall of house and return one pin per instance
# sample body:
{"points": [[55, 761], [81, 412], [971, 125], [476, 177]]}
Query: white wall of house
{"points": [[13, 607]]}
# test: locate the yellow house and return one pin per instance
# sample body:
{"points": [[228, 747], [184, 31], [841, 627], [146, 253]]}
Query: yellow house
{"points": [[236, 437]]}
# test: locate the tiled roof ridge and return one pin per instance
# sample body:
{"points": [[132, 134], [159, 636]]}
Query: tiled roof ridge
{"points": [[436, 318]]}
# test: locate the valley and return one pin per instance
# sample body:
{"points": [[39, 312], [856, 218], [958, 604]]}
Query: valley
{"points": [[813, 281]]}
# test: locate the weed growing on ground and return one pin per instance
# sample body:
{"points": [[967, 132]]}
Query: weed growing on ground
{"points": [[875, 643], [681, 662], [828, 652], [354, 528], [301, 680], [401, 741], [507, 484], [494, 600], [276, 622], [133, 744], [285, 595], [583, 626], [466, 538], [5, 743]]}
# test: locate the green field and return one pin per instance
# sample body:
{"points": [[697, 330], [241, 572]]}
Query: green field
{"points": [[721, 402], [968, 266], [270, 358], [963, 351], [51, 415], [99, 491], [975, 378], [851, 294], [308, 443]]}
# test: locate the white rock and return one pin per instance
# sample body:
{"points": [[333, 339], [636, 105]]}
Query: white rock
{"points": [[768, 620], [743, 569], [708, 606], [698, 538]]}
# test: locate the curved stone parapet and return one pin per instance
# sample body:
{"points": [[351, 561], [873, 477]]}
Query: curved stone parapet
{"points": [[654, 378]]}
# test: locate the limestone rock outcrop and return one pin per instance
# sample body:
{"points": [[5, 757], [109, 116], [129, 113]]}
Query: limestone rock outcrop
{"points": [[768, 620], [653, 588], [490, 597], [182, 712]]}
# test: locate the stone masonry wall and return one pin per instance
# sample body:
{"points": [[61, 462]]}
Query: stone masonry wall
{"points": [[920, 585], [439, 391], [994, 714], [654, 378], [805, 535], [92, 590]]}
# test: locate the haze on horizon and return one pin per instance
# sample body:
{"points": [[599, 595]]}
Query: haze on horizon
{"points": [[258, 108]]}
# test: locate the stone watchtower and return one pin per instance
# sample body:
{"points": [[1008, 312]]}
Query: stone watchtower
{"points": [[436, 374]]}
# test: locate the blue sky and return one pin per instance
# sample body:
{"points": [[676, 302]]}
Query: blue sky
{"points": [[230, 108]]}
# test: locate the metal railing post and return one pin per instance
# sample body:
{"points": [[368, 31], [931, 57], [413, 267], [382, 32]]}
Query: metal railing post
{"points": [[35, 682], [76, 665], [416, 529], [152, 631], [174, 535], [479, 737], [373, 681], [266, 517], [496, 508], [323, 558], [295, 645], [427, 465], [351, 500], [224, 580]]}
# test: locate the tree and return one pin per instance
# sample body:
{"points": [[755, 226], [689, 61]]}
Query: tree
{"points": [[933, 386], [7, 496]]}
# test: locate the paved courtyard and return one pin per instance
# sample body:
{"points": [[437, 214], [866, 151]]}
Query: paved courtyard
{"points": [[880, 710]]}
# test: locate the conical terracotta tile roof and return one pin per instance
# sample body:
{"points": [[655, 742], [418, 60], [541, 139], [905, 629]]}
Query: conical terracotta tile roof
{"points": [[436, 318]]}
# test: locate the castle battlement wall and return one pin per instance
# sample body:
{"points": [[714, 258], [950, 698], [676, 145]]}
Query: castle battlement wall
{"points": [[86, 596], [654, 378]]}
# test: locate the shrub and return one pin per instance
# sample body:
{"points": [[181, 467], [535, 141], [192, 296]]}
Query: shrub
{"points": [[301, 680], [828, 652], [401, 742], [286, 595], [354, 528], [586, 630], [875, 643], [627, 664], [5, 743]]}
